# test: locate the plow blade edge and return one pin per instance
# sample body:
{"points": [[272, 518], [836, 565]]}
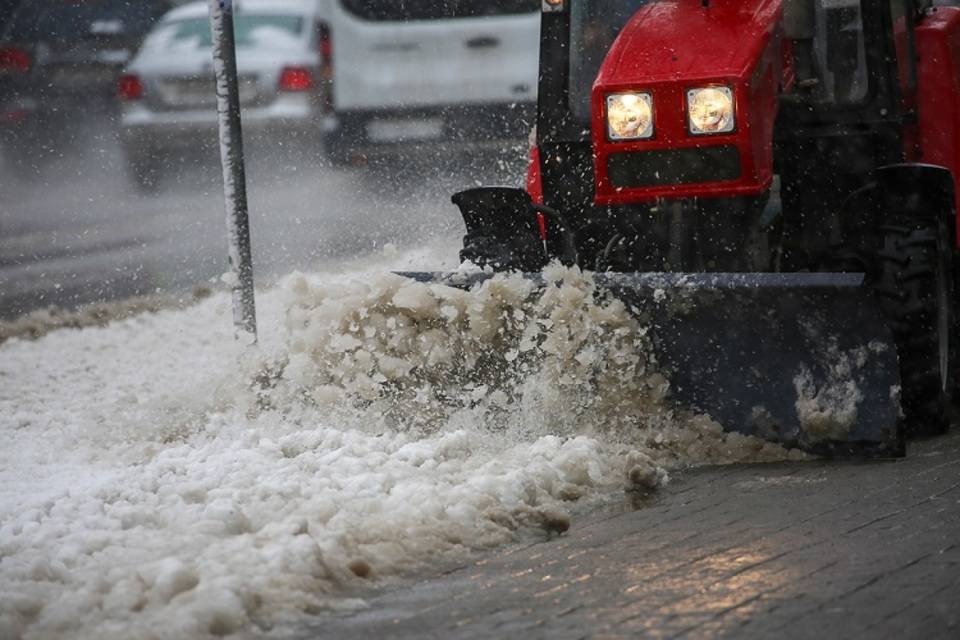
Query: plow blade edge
{"points": [[803, 359]]}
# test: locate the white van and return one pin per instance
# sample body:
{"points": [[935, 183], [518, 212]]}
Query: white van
{"points": [[431, 71]]}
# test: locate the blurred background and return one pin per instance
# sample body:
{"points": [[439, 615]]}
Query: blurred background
{"points": [[361, 118]]}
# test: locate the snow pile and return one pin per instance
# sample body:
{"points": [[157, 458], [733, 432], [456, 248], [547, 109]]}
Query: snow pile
{"points": [[42, 321], [149, 488]]}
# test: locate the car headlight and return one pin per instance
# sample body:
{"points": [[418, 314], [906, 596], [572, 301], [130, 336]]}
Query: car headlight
{"points": [[629, 116], [710, 110]]}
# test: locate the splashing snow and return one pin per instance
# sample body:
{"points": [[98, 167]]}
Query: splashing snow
{"points": [[829, 410], [150, 487]]}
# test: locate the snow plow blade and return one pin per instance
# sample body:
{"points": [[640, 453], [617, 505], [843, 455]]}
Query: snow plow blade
{"points": [[803, 359]]}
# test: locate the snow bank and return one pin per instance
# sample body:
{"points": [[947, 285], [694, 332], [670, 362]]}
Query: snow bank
{"points": [[152, 488], [42, 321]]}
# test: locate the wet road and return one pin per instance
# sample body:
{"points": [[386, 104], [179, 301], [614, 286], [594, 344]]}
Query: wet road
{"points": [[76, 230], [819, 549]]}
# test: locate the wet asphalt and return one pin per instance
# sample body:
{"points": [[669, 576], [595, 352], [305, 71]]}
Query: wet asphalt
{"points": [[822, 549], [74, 229]]}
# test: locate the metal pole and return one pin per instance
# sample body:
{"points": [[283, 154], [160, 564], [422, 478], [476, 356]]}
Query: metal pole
{"points": [[234, 173]]}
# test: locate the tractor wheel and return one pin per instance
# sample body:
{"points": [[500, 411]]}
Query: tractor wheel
{"points": [[914, 284]]}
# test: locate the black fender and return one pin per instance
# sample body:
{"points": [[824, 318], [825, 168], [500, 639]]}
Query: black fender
{"points": [[503, 231], [925, 191], [921, 189]]}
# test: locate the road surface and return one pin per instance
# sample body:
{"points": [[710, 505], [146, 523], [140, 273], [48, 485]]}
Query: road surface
{"points": [[794, 550], [76, 231]]}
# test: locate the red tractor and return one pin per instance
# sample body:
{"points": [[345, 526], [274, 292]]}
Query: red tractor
{"points": [[800, 158]]}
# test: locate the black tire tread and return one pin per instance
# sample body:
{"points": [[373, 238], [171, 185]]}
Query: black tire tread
{"points": [[906, 285]]}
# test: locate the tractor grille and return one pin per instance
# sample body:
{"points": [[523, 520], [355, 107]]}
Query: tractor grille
{"points": [[673, 166]]}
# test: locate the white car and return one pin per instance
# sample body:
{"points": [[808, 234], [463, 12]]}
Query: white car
{"points": [[429, 71], [168, 93]]}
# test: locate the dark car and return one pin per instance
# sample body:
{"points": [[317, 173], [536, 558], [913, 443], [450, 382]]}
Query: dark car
{"points": [[60, 61], [6, 10]]}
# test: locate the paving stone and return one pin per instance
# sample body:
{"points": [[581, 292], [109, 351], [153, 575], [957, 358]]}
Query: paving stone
{"points": [[821, 549]]}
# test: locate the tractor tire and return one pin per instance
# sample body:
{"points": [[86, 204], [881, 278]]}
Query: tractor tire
{"points": [[914, 285]]}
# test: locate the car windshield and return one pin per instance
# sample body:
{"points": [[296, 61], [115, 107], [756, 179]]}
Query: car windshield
{"points": [[594, 25], [384, 10], [251, 30], [72, 21]]}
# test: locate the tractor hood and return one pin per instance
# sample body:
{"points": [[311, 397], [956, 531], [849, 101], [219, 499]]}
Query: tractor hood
{"points": [[683, 40], [667, 52]]}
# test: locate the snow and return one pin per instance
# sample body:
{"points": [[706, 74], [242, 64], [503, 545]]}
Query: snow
{"points": [[828, 411], [158, 480], [41, 321]]}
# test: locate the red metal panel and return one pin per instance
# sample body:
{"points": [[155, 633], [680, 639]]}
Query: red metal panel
{"points": [[670, 47], [938, 92], [535, 187], [534, 181]]}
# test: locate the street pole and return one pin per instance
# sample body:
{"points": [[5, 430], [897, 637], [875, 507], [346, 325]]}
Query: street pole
{"points": [[234, 173]]}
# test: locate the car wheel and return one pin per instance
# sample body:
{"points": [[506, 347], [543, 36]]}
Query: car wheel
{"points": [[342, 144], [26, 158], [145, 173], [339, 153]]}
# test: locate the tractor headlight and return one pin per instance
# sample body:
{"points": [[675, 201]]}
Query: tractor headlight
{"points": [[629, 116], [710, 110]]}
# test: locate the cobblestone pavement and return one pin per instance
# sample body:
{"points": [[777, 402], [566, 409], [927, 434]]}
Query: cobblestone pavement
{"points": [[795, 550]]}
